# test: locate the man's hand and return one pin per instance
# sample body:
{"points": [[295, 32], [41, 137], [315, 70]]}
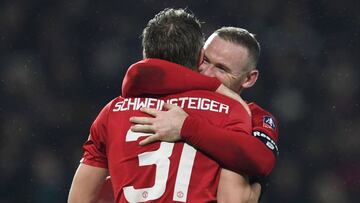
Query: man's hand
{"points": [[165, 125]]}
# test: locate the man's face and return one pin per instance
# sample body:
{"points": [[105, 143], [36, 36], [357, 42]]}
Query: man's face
{"points": [[226, 61]]}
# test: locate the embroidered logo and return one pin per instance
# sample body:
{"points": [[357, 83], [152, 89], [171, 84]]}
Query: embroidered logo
{"points": [[269, 122]]}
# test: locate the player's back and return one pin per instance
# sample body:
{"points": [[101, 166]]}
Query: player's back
{"points": [[162, 172]]}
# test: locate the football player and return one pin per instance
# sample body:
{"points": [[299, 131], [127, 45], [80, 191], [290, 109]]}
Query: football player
{"points": [[166, 172], [231, 55]]}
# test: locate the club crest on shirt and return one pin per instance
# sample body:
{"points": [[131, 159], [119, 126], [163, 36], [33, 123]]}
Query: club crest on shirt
{"points": [[269, 122]]}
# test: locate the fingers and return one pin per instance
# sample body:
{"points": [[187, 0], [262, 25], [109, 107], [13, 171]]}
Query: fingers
{"points": [[141, 120], [149, 111], [142, 128], [169, 106], [154, 112], [150, 139]]}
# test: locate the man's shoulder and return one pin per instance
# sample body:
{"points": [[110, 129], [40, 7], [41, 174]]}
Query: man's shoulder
{"points": [[258, 110], [113, 101], [111, 106], [265, 127], [262, 117]]}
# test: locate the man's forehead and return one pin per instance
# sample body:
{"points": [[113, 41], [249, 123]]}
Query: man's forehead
{"points": [[219, 51]]}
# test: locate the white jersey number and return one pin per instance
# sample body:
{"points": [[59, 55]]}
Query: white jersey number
{"points": [[160, 158]]}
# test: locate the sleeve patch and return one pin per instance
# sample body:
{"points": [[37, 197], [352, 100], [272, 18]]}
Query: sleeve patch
{"points": [[269, 122], [267, 141]]}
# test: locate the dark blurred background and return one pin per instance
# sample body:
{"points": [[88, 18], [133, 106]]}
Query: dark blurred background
{"points": [[62, 61]]}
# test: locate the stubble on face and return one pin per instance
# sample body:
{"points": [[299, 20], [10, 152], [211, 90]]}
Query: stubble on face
{"points": [[229, 61]]}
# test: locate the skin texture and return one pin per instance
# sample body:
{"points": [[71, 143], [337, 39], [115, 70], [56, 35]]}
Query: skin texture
{"points": [[87, 184], [221, 61], [169, 125], [229, 63], [236, 188]]}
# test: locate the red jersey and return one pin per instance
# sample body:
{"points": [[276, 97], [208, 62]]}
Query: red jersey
{"points": [[161, 171], [252, 154], [265, 127]]}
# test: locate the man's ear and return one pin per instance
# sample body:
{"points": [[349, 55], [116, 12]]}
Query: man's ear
{"points": [[201, 56], [251, 78]]}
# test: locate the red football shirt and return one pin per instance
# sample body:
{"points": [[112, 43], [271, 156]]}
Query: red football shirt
{"points": [[265, 127], [160, 172], [252, 154]]}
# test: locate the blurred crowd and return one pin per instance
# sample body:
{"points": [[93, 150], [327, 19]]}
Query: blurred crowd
{"points": [[61, 61]]}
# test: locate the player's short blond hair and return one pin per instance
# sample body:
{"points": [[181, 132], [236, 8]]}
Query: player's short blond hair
{"points": [[244, 38]]}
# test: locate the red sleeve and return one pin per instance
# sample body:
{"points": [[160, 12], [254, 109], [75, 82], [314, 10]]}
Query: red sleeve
{"points": [[94, 148], [233, 147], [265, 127], [156, 77]]}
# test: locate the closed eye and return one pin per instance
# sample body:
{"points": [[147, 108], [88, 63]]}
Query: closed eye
{"points": [[221, 69], [206, 61], [219, 66]]}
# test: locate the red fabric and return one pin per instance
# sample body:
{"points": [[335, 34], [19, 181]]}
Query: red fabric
{"points": [[110, 137], [235, 149], [159, 77], [95, 146], [106, 194], [258, 115], [239, 151], [130, 165], [220, 133]]}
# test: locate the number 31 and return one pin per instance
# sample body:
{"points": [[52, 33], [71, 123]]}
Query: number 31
{"points": [[160, 158]]}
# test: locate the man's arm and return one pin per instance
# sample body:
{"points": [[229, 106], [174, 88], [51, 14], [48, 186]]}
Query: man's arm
{"points": [[257, 159], [86, 185], [235, 188], [92, 171], [235, 149]]}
